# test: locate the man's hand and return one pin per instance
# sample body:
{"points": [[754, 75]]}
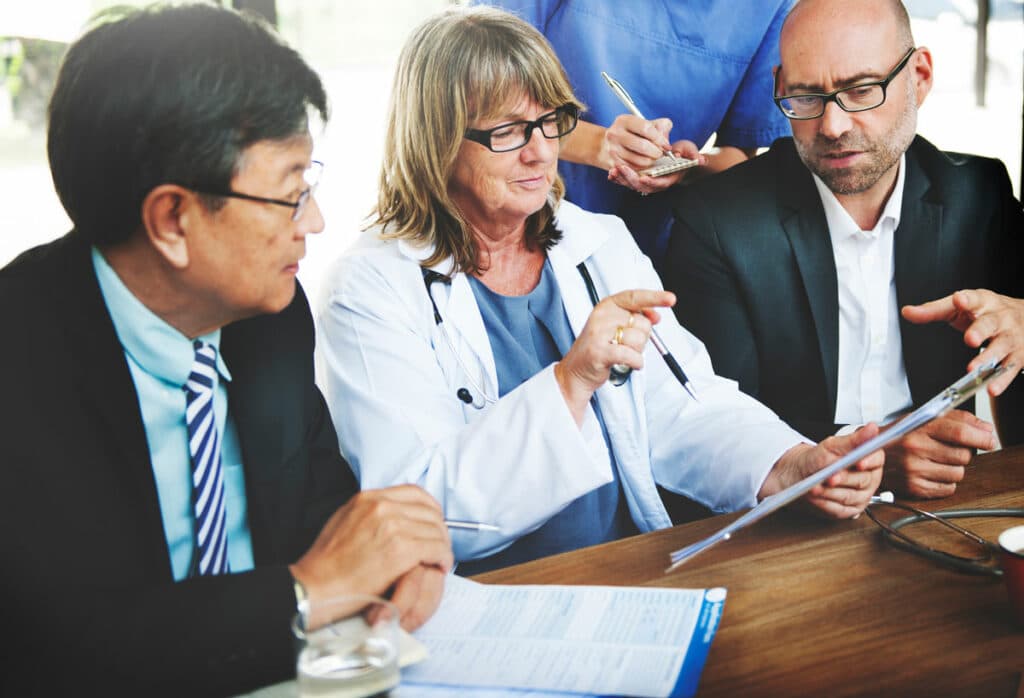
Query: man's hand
{"points": [[380, 538], [843, 495], [929, 461], [983, 316], [417, 594]]}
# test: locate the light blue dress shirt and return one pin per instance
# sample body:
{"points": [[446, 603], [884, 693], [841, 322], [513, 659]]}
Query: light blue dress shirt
{"points": [[160, 359]]}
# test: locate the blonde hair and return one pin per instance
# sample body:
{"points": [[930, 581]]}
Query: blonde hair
{"points": [[461, 65]]}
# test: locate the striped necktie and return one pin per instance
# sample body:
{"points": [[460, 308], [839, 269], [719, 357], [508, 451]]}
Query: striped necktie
{"points": [[207, 476]]}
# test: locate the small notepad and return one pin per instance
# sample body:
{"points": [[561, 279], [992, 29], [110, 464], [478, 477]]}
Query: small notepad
{"points": [[667, 165]]}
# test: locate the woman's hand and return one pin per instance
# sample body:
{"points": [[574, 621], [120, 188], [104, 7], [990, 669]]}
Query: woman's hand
{"points": [[843, 495], [634, 144], [616, 333]]}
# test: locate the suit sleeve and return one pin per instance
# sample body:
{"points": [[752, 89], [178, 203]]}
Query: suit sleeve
{"points": [[1009, 407]]}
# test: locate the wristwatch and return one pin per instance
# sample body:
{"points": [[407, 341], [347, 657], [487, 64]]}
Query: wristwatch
{"points": [[301, 598]]}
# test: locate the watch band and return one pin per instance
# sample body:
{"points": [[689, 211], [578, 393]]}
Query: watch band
{"points": [[301, 598]]}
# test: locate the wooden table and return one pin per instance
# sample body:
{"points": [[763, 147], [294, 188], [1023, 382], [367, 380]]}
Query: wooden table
{"points": [[827, 608]]}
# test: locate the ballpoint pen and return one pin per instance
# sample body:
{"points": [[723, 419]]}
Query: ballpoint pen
{"points": [[470, 525], [627, 101], [620, 372], [672, 364]]}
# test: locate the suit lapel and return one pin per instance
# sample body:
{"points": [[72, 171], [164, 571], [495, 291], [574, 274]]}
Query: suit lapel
{"points": [[918, 239], [917, 251], [803, 219], [105, 385]]}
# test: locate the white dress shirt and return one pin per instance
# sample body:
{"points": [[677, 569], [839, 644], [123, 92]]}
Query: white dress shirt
{"points": [[872, 383]]}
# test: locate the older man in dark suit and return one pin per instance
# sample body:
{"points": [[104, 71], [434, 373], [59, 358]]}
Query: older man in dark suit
{"points": [[172, 486], [792, 268]]}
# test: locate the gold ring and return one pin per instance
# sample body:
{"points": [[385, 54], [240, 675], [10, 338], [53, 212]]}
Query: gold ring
{"points": [[617, 339]]}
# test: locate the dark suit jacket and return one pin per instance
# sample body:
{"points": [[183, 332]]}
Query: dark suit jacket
{"points": [[751, 262], [87, 590]]}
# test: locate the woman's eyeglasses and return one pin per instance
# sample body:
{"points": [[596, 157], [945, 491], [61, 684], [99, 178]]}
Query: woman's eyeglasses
{"points": [[516, 134]]}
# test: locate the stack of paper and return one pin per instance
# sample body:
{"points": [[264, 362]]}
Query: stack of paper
{"points": [[575, 639]]}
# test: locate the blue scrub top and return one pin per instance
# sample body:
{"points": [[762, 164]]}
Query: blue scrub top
{"points": [[705, 64], [527, 333]]}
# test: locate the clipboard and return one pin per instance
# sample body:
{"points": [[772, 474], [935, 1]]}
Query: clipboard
{"points": [[939, 405]]}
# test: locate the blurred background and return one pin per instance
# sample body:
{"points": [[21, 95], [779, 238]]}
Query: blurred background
{"points": [[353, 44]]}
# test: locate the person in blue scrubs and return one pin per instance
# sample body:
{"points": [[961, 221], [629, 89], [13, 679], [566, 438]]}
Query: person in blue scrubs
{"points": [[701, 68]]}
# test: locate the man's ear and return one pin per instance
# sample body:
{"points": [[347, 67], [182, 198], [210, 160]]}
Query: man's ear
{"points": [[166, 213], [921, 65]]}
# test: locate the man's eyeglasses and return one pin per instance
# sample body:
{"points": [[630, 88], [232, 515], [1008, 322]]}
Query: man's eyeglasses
{"points": [[516, 134], [862, 97], [311, 177]]}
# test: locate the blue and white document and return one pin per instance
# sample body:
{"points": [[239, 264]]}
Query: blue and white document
{"points": [[557, 640]]}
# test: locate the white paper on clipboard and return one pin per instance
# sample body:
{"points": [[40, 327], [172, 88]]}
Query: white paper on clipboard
{"points": [[946, 400]]}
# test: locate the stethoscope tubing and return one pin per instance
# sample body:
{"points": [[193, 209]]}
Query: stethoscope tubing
{"points": [[976, 565]]}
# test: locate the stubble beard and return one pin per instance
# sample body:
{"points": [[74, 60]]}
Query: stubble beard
{"points": [[882, 154]]}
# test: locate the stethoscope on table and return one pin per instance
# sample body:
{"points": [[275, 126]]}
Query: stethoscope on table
{"points": [[619, 373], [983, 563]]}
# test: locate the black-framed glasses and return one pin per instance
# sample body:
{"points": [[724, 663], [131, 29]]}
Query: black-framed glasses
{"points": [[862, 97], [516, 134], [311, 177]]}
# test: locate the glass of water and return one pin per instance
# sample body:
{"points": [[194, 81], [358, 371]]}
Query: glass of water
{"points": [[347, 647]]}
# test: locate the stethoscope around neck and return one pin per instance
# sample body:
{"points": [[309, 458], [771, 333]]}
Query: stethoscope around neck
{"points": [[478, 397]]}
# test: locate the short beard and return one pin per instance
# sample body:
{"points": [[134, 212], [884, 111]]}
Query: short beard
{"points": [[883, 154]]}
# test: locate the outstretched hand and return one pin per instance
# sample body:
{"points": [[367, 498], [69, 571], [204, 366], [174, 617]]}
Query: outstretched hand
{"points": [[983, 316]]}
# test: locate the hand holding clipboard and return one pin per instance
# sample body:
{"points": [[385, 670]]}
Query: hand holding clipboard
{"points": [[942, 403]]}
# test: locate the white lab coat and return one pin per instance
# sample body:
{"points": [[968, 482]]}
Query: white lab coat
{"points": [[391, 380]]}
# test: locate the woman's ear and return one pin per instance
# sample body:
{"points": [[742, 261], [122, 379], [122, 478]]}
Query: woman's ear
{"points": [[166, 212]]}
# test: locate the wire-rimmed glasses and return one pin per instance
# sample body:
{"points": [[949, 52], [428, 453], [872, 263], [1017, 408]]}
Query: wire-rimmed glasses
{"points": [[861, 97], [516, 134], [311, 176]]}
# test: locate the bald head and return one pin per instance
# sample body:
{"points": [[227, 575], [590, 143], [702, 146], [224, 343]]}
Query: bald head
{"points": [[826, 17]]}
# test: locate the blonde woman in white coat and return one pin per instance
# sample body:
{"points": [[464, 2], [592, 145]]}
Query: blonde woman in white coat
{"points": [[462, 351]]}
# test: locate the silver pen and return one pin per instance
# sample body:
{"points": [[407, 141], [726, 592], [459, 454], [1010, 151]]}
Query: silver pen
{"points": [[471, 525], [627, 102]]}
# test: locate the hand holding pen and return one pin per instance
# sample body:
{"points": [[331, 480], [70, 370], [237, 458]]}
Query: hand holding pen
{"points": [[616, 333], [641, 155]]}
